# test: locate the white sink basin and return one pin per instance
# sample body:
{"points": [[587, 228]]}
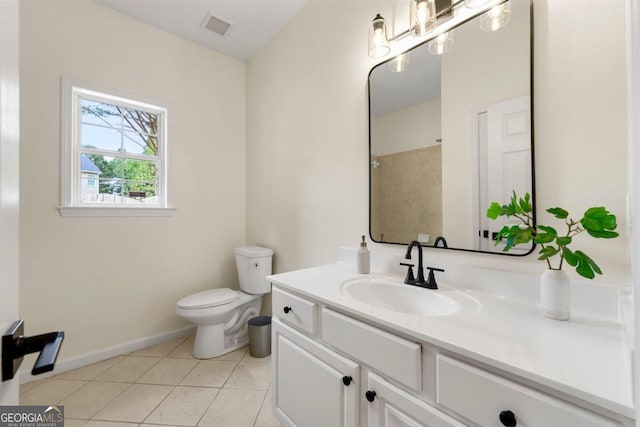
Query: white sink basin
{"points": [[392, 294]]}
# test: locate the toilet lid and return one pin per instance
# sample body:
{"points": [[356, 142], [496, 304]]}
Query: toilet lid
{"points": [[210, 298]]}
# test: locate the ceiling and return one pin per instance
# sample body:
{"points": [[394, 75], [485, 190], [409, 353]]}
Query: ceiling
{"points": [[253, 22]]}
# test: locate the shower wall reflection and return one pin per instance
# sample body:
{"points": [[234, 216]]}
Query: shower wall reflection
{"points": [[406, 174], [401, 182]]}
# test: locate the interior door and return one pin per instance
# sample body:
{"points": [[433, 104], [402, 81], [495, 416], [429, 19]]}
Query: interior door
{"points": [[504, 145], [9, 168]]}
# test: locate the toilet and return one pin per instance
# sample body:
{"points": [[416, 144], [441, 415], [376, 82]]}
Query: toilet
{"points": [[221, 314]]}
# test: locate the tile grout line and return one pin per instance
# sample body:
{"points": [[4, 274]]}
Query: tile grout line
{"points": [[163, 357], [266, 395], [218, 393], [157, 406], [114, 398], [174, 387], [208, 407]]}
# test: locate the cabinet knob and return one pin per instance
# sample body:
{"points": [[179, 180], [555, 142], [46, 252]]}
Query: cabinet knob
{"points": [[508, 419], [346, 380], [287, 310], [370, 395]]}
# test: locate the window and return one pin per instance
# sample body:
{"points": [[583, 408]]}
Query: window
{"points": [[118, 143]]}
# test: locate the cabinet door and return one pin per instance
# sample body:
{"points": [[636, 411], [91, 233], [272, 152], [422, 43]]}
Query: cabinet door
{"points": [[313, 386], [390, 406]]}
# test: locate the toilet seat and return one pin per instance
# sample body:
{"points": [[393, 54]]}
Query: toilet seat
{"points": [[210, 298]]}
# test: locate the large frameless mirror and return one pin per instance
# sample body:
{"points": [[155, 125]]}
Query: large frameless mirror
{"points": [[450, 132]]}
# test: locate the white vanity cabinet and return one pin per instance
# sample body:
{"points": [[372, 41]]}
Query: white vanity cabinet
{"points": [[316, 386], [312, 385], [331, 369]]}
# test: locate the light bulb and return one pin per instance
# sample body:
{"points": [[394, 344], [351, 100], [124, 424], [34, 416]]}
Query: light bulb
{"points": [[423, 16], [423, 13], [441, 44], [378, 41], [497, 17], [400, 63]]}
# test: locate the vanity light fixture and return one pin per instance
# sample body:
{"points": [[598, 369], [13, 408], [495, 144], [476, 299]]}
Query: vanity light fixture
{"points": [[423, 16], [400, 63], [497, 17], [441, 44], [378, 40]]}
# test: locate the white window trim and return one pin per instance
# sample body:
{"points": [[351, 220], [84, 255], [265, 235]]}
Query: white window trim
{"points": [[69, 150]]}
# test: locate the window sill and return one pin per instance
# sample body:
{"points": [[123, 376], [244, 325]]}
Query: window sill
{"points": [[114, 211]]}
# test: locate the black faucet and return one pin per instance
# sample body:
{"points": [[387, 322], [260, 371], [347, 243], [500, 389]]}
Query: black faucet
{"points": [[409, 279], [440, 240], [430, 283]]}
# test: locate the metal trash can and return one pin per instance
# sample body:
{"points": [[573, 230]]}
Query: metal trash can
{"points": [[260, 336]]}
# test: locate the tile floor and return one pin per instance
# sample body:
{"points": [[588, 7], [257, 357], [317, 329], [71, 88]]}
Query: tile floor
{"points": [[161, 385]]}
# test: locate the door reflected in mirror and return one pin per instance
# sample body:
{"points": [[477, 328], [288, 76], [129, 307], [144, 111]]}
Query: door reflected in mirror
{"points": [[450, 134]]}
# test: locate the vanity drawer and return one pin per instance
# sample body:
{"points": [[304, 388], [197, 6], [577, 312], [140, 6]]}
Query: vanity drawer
{"points": [[396, 357], [480, 397], [295, 310]]}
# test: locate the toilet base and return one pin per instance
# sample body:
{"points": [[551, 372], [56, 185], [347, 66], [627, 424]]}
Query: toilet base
{"points": [[210, 342]]}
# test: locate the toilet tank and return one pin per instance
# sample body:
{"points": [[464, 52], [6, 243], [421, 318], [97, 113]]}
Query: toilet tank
{"points": [[254, 264]]}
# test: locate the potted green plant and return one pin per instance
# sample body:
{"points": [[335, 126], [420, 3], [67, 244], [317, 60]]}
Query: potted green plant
{"points": [[597, 222]]}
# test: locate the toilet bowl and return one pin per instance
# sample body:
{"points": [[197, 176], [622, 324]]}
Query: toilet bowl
{"points": [[221, 314]]}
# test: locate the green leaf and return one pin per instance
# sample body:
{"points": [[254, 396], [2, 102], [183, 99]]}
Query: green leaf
{"points": [[585, 270], [543, 238], [596, 212], [547, 252], [522, 235], [558, 212], [570, 257], [599, 222], [525, 204], [546, 229], [586, 266], [591, 224], [591, 262], [494, 211], [603, 234], [515, 236], [511, 238], [514, 198], [504, 231], [563, 240], [609, 222]]}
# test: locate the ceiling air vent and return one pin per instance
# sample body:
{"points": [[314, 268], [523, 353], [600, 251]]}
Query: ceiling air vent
{"points": [[215, 24]]}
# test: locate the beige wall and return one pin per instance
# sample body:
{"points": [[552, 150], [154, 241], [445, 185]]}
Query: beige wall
{"points": [[106, 281], [307, 188], [307, 106], [407, 129]]}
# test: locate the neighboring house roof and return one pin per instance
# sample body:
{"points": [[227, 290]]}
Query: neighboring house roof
{"points": [[86, 165]]}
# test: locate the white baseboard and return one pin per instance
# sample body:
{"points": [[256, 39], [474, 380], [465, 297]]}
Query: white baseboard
{"points": [[105, 353]]}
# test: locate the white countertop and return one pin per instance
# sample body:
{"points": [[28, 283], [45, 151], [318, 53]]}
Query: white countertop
{"points": [[582, 357]]}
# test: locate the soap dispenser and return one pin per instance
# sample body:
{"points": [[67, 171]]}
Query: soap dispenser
{"points": [[363, 258]]}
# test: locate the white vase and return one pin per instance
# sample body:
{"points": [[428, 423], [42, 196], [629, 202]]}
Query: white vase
{"points": [[555, 294]]}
